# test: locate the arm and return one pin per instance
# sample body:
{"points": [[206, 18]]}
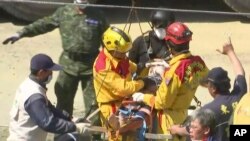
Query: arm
{"points": [[38, 27], [138, 53], [41, 26], [116, 84], [42, 115], [179, 130], [165, 95], [58, 113], [240, 84], [229, 51]]}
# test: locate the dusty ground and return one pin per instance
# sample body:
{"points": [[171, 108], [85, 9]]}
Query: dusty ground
{"points": [[210, 32]]}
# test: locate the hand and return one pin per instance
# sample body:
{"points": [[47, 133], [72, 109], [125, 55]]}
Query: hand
{"points": [[81, 128], [174, 129], [138, 96], [12, 39], [178, 130], [227, 47]]}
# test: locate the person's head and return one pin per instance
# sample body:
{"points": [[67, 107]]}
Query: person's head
{"points": [[217, 81], [41, 66], [202, 125], [160, 20], [178, 37], [117, 42], [84, 3]]}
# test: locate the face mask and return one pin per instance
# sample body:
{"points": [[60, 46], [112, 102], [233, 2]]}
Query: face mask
{"points": [[49, 78], [160, 33]]}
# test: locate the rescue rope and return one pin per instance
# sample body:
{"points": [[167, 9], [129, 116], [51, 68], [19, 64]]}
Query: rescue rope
{"points": [[129, 7]]}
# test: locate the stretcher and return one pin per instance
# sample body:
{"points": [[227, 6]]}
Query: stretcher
{"points": [[97, 129]]}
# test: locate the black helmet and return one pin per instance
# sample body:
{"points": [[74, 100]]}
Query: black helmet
{"points": [[161, 19]]}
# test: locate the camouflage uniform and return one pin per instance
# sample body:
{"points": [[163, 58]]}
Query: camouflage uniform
{"points": [[81, 36]]}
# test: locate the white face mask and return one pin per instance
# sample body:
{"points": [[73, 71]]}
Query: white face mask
{"points": [[160, 33], [48, 79]]}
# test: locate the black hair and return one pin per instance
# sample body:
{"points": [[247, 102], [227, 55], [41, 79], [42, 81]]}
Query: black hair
{"points": [[33, 71], [221, 87]]}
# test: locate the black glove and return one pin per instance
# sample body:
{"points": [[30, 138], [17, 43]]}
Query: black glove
{"points": [[12, 39]]}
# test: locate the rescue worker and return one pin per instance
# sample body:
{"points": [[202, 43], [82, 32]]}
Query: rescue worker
{"points": [[152, 45], [180, 81], [81, 29], [32, 115], [113, 73], [218, 85]]}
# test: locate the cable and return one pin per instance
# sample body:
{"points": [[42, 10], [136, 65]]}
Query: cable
{"points": [[129, 7]]}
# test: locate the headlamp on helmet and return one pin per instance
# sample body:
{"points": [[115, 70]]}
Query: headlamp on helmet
{"points": [[114, 39], [178, 33]]}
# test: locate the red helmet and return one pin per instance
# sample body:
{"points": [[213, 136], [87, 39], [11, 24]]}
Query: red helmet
{"points": [[178, 33]]}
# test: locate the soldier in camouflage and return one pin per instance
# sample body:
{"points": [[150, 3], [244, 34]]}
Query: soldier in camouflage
{"points": [[81, 31]]}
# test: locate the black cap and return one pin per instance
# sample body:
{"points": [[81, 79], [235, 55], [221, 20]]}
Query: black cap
{"points": [[217, 75], [43, 62]]}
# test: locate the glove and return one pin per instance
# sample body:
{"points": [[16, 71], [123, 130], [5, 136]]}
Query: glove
{"points": [[81, 128], [138, 97], [12, 39]]}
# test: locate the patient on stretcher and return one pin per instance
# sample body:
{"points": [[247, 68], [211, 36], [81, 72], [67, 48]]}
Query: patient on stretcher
{"points": [[134, 117]]}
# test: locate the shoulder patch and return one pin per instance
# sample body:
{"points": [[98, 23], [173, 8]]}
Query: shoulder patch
{"points": [[189, 67]]}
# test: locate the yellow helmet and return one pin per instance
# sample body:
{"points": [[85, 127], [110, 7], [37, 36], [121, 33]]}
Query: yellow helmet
{"points": [[116, 39]]}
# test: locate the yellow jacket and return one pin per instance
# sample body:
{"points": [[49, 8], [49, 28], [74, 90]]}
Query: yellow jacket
{"points": [[242, 112], [113, 78], [177, 89]]}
